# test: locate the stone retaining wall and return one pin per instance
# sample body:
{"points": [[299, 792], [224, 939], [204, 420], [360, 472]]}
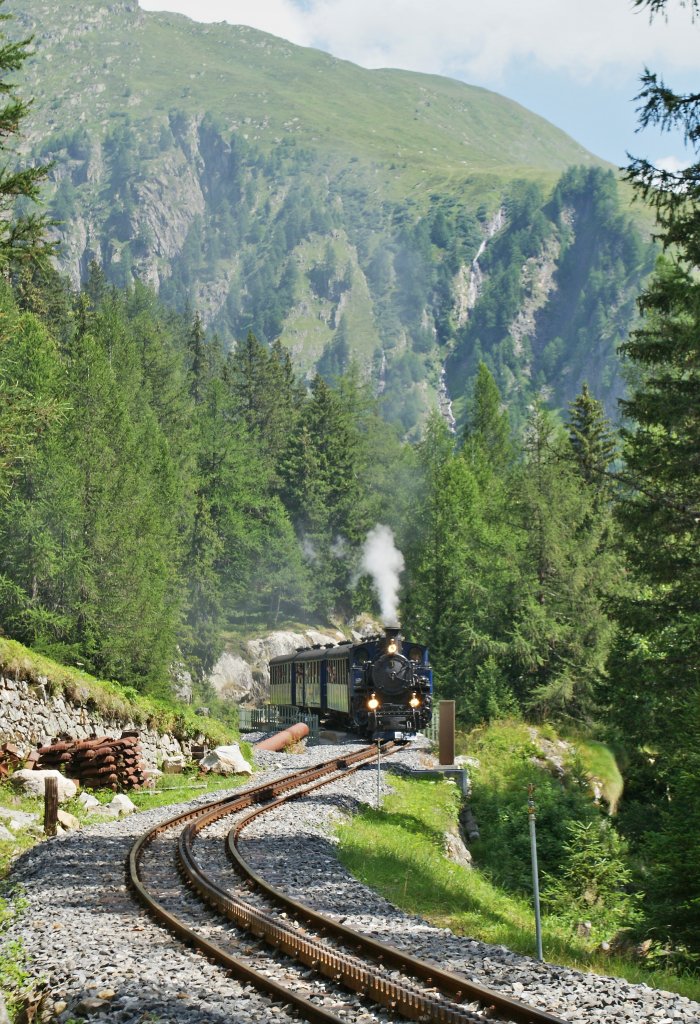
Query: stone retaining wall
{"points": [[31, 717]]}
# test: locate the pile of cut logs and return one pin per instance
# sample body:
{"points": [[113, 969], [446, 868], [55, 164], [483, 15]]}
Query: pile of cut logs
{"points": [[10, 759], [98, 763]]}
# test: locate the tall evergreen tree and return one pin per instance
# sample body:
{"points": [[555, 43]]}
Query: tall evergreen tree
{"points": [[22, 235], [458, 594], [592, 439], [658, 668], [487, 434], [266, 394], [561, 632], [32, 385]]}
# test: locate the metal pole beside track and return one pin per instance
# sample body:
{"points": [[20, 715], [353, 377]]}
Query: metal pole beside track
{"points": [[535, 875], [379, 773]]}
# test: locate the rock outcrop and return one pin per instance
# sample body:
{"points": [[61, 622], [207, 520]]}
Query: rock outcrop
{"points": [[247, 680]]}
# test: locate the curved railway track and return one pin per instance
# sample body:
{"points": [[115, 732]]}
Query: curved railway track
{"points": [[349, 960]]}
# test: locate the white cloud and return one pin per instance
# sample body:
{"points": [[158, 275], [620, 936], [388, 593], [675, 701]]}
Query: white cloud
{"points": [[672, 163], [280, 17], [470, 38]]}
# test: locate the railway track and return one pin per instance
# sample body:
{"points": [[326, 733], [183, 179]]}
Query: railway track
{"points": [[277, 935]]}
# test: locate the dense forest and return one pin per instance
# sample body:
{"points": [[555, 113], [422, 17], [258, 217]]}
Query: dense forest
{"points": [[157, 487]]}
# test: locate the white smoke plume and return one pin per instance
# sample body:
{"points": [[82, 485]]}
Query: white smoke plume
{"points": [[384, 563], [309, 550]]}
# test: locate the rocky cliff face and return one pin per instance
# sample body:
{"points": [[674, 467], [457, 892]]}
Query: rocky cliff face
{"points": [[247, 680]]}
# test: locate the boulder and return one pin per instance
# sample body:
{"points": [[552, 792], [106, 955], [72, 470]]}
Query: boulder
{"points": [[88, 801], [226, 761], [17, 820], [5, 834], [32, 783], [456, 851], [121, 803], [68, 821], [174, 764]]}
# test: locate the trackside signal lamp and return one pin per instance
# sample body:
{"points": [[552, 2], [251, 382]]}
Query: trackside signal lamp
{"points": [[373, 702], [415, 700]]}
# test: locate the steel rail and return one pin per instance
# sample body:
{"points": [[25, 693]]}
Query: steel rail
{"points": [[453, 986], [440, 1005], [401, 997], [456, 986], [311, 1011]]}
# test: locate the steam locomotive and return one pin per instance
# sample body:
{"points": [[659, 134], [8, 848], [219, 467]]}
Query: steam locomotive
{"points": [[378, 687]]}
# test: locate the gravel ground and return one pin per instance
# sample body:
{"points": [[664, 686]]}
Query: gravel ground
{"points": [[94, 945]]}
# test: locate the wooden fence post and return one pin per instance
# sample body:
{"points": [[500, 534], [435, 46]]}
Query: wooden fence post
{"points": [[50, 806]]}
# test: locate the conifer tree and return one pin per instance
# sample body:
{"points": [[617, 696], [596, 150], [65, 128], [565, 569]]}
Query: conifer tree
{"points": [[266, 394], [591, 439], [460, 564], [658, 663], [22, 235], [561, 632], [487, 434], [32, 387]]}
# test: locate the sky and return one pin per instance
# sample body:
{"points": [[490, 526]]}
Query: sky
{"points": [[575, 62]]}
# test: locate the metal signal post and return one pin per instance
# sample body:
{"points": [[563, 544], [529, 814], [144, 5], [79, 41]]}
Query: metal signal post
{"points": [[379, 773], [535, 877]]}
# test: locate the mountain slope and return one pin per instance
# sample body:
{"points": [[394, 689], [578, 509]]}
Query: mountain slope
{"points": [[98, 60], [278, 189]]}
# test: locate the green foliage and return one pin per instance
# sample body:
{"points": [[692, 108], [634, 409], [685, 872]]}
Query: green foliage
{"points": [[399, 851], [509, 761], [561, 630], [592, 886], [591, 439], [510, 568], [22, 233], [601, 764], [657, 659]]}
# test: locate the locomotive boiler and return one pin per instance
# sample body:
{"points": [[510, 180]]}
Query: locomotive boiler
{"points": [[380, 687]]}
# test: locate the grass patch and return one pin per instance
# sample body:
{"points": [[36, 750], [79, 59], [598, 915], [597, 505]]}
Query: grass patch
{"points": [[398, 851], [600, 763], [175, 789]]}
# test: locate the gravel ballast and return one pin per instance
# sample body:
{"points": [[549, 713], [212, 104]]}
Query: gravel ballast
{"points": [[102, 955]]}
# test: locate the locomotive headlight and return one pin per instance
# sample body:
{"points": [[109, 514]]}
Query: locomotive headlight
{"points": [[391, 647], [373, 702], [414, 701]]}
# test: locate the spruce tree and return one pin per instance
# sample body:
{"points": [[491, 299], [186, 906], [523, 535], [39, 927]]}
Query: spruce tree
{"points": [[460, 565], [658, 662], [22, 235], [487, 434], [561, 632], [591, 438]]}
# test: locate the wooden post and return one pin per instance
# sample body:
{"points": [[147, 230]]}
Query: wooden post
{"points": [[50, 806], [446, 739]]}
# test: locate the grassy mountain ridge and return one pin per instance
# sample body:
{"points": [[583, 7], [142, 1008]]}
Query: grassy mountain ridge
{"points": [[278, 189], [101, 60]]}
